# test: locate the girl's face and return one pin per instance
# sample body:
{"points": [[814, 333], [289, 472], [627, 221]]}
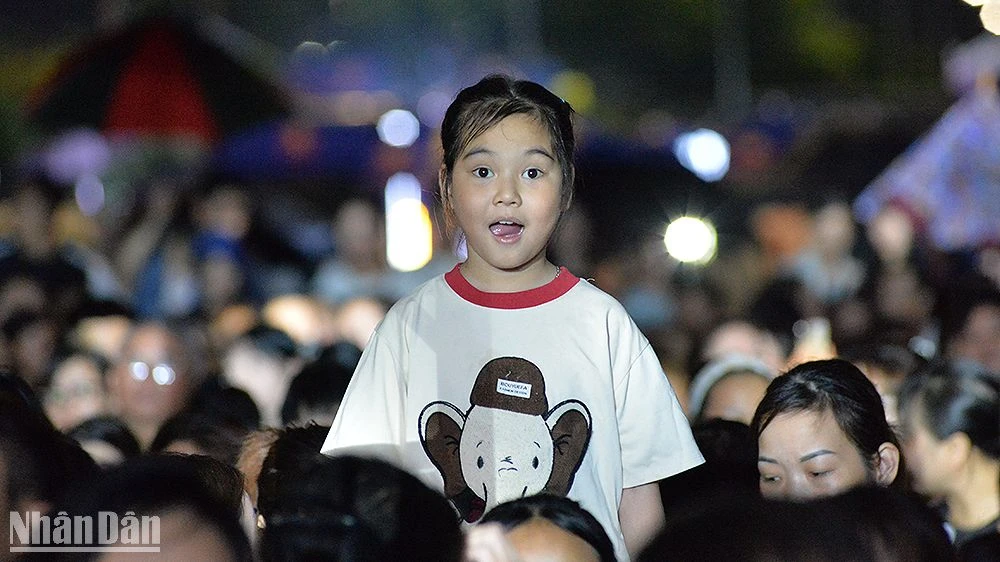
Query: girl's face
{"points": [[805, 455], [505, 194]]}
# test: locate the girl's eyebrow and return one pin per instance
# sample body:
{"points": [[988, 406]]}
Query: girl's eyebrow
{"points": [[540, 150], [488, 152], [475, 151]]}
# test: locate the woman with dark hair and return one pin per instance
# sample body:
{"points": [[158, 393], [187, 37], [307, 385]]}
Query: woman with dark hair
{"points": [[951, 421], [821, 430], [548, 527]]}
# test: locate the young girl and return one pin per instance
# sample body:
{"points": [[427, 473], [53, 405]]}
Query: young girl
{"points": [[509, 376]]}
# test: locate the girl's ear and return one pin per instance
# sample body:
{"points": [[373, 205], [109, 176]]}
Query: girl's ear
{"points": [[887, 464]]}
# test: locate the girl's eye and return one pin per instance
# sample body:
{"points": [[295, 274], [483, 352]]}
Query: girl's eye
{"points": [[819, 473], [768, 479], [532, 173], [482, 172]]}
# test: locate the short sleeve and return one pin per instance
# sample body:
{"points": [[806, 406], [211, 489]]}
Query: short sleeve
{"points": [[369, 421], [656, 440]]}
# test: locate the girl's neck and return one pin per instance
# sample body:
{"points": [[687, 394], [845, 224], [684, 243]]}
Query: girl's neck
{"points": [[491, 280], [976, 501]]}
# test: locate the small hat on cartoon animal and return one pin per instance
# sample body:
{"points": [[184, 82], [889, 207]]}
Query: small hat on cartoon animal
{"points": [[512, 384]]}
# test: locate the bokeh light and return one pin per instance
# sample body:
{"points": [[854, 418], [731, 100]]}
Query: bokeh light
{"points": [[408, 230], [691, 240], [990, 16], [398, 128], [432, 106], [577, 88], [89, 194], [705, 152], [76, 154]]}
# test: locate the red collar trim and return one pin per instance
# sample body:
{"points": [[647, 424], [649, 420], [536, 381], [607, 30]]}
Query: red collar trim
{"points": [[510, 301]]}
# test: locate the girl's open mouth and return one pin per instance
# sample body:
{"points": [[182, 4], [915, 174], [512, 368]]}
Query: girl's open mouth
{"points": [[506, 231]]}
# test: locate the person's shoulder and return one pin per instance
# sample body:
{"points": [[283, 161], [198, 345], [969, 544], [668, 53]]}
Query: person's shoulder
{"points": [[593, 296]]}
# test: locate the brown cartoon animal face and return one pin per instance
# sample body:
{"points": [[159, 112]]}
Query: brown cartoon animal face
{"points": [[508, 444]]}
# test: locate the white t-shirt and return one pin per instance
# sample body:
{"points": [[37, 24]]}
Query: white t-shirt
{"points": [[492, 396]]}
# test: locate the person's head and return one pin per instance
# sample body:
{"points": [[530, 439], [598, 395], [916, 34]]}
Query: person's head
{"points": [[31, 339], [316, 392], [100, 327], [739, 337], [199, 434], [38, 465], [294, 449], [227, 406], [357, 233], [865, 523], [508, 169], [262, 363], [357, 318], [821, 430], [251, 458], [886, 365], [364, 510], [969, 314], [151, 379], [552, 528], [834, 230], [75, 391], [950, 422], [223, 481], [196, 500], [728, 388], [729, 467], [106, 439]]}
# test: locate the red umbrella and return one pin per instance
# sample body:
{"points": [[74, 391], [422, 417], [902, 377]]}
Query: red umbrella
{"points": [[164, 76]]}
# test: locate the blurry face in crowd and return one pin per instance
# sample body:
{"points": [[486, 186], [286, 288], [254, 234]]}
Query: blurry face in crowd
{"points": [[150, 382], [979, 340], [741, 338], [76, 393], [735, 397], [103, 335], [357, 232], [805, 455], [540, 540], [32, 349], [834, 229], [891, 235], [927, 457], [261, 375]]}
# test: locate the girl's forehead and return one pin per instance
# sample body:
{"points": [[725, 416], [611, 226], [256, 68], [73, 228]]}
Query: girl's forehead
{"points": [[517, 128]]}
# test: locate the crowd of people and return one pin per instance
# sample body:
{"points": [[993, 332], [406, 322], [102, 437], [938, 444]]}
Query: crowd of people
{"points": [[824, 391]]}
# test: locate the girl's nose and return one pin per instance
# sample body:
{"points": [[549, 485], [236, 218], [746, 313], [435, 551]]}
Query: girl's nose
{"points": [[507, 192]]}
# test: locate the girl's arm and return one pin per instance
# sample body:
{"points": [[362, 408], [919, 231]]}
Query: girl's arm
{"points": [[641, 515]]}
